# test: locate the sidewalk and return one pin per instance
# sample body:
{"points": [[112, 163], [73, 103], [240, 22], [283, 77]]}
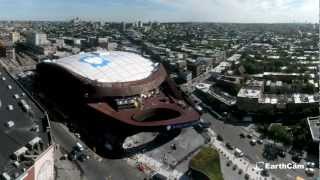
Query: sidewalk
{"points": [[65, 169], [242, 163], [151, 164]]}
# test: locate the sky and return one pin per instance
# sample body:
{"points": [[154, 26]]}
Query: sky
{"points": [[242, 11]]}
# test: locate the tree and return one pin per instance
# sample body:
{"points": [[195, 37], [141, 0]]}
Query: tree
{"points": [[279, 133]]}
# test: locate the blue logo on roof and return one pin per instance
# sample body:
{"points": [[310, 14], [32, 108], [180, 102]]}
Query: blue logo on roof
{"points": [[95, 60]]}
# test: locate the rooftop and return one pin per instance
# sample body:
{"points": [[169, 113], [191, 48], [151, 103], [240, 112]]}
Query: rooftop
{"points": [[314, 125], [217, 94], [250, 93], [22, 123], [109, 66]]}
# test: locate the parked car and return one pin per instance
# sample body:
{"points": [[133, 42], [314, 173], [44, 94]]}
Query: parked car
{"points": [[157, 176], [309, 171], [249, 136], [83, 157], [310, 164], [282, 153], [219, 137], [78, 147], [204, 124], [238, 152], [242, 135], [234, 167], [260, 141], [198, 108], [265, 173], [229, 163], [296, 158], [229, 146], [73, 155], [77, 135], [253, 142]]}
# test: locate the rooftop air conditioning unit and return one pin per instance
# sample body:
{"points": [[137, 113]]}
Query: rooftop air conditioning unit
{"points": [[20, 152], [5, 176], [34, 142], [10, 124]]}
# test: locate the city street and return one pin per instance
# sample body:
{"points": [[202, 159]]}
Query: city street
{"points": [[231, 134], [96, 167], [134, 90]]}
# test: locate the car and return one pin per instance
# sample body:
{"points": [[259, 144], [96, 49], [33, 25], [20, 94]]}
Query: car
{"points": [[296, 158], [229, 146], [64, 157], [265, 173], [78, 147], [260, 141], [77, 135], [219, 137], [74, 155], [198, 127], [282, 153], [234, 167], [309, 171], [10, 107], [238, 152], [247, 176], [310, 164], [253, 142], [229, 163], [201, 127], [242, 135], [198, 108], [205, 124], [83, 157], [249, 136], [157, 176], [240, 171]]}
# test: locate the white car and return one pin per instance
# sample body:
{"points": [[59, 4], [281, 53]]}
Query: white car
{"points": [[238, 152], [198, 108], [310, 164], [10, 107], [79, 146], [309, 171], [253, 142]]}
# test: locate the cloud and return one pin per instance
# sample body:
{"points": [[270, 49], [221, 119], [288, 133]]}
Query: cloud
{"points": [[245, 10], [164, 10]]}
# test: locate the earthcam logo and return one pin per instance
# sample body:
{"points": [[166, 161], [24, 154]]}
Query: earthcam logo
{"points": [[268, 166]]}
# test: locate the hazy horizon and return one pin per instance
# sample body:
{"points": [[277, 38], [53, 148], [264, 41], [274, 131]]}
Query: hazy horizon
{"points": [[215, 11]]}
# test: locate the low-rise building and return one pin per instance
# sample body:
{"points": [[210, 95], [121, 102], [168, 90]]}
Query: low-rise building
{"points": [[252, 98]]}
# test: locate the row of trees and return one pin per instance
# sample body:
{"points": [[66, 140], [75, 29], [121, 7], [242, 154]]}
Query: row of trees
{"points": [[298, 136]]}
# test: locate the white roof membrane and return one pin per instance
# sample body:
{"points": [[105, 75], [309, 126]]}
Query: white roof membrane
{"points": [[109, 67]]}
